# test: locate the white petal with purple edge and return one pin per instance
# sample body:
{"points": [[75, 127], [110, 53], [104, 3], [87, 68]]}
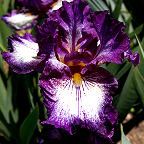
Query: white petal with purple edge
{"points": [[84, 102], [22, 57], [25, 50], [86, 105], [20, 21]]}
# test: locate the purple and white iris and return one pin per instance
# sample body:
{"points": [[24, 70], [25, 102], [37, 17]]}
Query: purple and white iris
{"points": [[28, 17], [72, 43]]}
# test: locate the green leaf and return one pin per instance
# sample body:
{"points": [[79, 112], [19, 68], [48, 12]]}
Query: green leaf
{"points": [[100, 4], [3, 100], [137, 31], [124, 139], [9, 94], [28, 126], [128, 96], [31, 98], [14, 112], [140, 46], [4, 30], [97, 5], [123, 70], [1, 65], [4, 126], [128, 23], [139, 84], [139, 72], [118, 70], [12, 2], [117, 9], [113, 68], [6, 5]]}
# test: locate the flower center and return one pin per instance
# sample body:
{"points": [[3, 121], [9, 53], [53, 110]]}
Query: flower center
{"points": [[71, 63], [77, 79]]}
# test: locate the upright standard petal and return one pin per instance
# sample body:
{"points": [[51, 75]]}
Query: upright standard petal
{"points": [[22, 57], [20, 20], [88, 104], [81, 32], [114, 42], [74, 33]]}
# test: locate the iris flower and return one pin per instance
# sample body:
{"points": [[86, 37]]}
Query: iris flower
{"points": [[71, 45], [27, 18]]}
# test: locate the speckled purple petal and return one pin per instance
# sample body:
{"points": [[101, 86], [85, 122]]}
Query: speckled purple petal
{"points": [[37, 5], [43, 6], [113, 40], [89, 105], [78, 30], [54, 68], [74, 31], [20, 20], [22, 57], [135, 59], [45, 36]]}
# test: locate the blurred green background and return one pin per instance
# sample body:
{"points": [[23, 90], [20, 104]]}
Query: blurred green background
{"points": [[21, 104]]}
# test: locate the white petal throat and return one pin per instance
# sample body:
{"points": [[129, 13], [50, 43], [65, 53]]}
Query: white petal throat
{"points": [[84, 102]]}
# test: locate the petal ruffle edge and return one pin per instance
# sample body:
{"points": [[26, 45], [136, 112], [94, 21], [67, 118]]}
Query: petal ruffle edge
{"points": [[134, 58], [22, 57], [113, 40], [20, 20], [89, 106]]}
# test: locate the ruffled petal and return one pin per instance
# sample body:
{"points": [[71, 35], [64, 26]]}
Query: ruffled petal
{"points": [[22, 57], [20, 20], [37, 5], [113, 40], [78, 31], [74, 31], [56, 69], [89, 105], [45, 36], [43, 6], [135, 59]]}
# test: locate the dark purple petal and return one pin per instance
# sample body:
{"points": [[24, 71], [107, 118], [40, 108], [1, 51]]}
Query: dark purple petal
{"points": [[77, 58], [71, 30], [22, 57], [78, 31], [20, 20], [135, 59], [43, 6], [56, 69], [89, 105], [74, 31], [45, 36], [38, 5], [113, 40]]}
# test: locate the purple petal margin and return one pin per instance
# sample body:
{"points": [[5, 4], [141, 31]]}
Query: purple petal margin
{"points": [[135, 59], [21, 20], [22, 57], [61, 102]]}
